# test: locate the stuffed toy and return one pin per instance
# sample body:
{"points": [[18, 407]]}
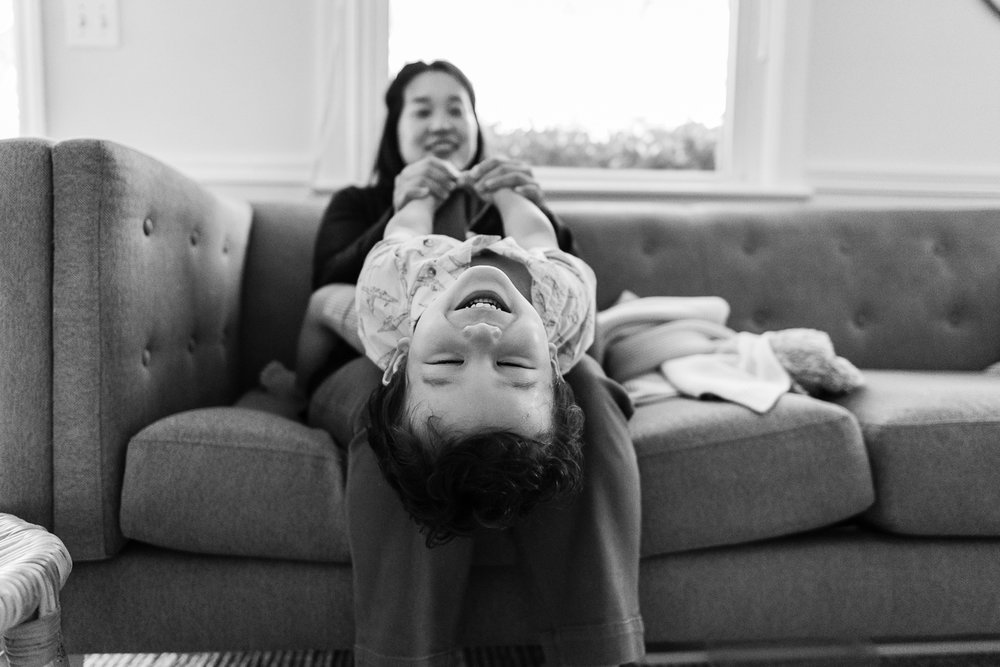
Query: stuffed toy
{"points": [[815, 369]]}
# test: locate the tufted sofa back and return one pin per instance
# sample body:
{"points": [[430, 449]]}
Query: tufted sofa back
{"points": [[895, 288], [147, 281]]}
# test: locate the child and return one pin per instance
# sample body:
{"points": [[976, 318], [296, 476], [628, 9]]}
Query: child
{"points": [[474, 425]]}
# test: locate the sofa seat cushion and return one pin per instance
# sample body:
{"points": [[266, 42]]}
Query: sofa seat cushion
{"points": [[934, 442], [715, 473], [236, 481]]}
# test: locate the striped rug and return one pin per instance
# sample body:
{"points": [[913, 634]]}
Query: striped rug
{"points": [[531, 656], [513, 656]]}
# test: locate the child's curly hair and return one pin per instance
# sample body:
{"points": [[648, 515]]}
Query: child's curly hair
{"points": [[453, 484]]}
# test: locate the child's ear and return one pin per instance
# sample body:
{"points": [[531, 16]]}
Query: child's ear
{"points": [[397, 360]]}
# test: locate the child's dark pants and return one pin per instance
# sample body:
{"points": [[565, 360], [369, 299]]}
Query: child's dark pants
{"points": [[581, 558]]}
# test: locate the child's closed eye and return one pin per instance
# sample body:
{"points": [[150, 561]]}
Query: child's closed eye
{"points": [[459, 362]]}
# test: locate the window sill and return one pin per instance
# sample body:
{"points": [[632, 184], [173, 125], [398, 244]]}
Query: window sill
{"points": [[566, 184]]}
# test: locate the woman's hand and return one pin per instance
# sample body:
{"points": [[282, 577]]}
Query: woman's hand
{"points": [[496, 173], [430, 176]]}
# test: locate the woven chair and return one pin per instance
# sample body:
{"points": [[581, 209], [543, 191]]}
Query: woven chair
{"points": [[34, 565]]}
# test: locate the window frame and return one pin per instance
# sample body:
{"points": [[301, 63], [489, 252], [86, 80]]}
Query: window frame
{"points": [[30, 72], [760, 153]]}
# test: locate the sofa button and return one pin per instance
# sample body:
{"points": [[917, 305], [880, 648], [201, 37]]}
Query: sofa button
{"points": [[191, 345], [147, 226], [146, 356], [195, 237]]}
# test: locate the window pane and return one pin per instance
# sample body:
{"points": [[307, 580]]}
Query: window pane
{"points": [[582, 83], [9, 125]]}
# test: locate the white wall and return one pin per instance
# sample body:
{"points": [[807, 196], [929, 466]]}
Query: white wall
{"points": [[223, 89], [902, 96]]}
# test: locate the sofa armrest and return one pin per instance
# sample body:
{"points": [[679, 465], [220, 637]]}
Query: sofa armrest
{"points": [[26, 329], [147, 273]]}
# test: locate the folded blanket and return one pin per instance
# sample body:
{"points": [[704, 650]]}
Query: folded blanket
{"points": [[660, 347]]}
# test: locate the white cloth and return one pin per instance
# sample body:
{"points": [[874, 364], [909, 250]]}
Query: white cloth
{"points": [[662, 347], [743, 370]]}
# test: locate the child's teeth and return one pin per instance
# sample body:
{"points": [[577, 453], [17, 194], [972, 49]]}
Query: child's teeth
{"points": [[483, 303]]}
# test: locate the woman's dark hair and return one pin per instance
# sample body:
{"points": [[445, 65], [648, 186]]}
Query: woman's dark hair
{"points": [[389, 161], [452, 485]]}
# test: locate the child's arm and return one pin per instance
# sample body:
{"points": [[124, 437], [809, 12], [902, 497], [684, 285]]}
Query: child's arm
{"points": [[524, 221], [416, 218]]}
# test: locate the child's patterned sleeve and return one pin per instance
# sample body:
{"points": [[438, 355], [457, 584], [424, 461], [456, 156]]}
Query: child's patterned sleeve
{"points": [[573, 297], [381, 302]]}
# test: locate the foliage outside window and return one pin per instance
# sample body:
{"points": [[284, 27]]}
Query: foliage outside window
{"points": [[691, 146]]}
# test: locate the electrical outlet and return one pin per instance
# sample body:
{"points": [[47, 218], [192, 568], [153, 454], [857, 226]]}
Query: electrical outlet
{"points": [[92, 23]]}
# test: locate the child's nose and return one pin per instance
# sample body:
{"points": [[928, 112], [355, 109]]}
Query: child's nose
{"points": [[482, 332]]}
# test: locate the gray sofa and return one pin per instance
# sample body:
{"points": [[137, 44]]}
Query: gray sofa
{"points": [[140, 308]]}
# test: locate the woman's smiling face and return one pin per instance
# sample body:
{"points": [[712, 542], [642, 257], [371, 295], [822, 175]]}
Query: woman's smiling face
{"points": [[437, 119]]}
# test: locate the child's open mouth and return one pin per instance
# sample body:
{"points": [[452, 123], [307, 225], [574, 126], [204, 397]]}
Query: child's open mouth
{"points": [[490, 300]]}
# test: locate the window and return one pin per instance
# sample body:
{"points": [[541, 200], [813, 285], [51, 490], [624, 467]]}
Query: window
{"points": [[633, 84], [738, 131]]}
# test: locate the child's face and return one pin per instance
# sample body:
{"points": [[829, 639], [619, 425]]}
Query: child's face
{"points": [[479, 367]]}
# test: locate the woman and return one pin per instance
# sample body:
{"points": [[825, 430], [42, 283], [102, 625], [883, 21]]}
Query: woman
{"points": [[581, 558]]}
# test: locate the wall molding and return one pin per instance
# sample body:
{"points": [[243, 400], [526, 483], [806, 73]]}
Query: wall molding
{"points": [[266, 169], [897, 180]]}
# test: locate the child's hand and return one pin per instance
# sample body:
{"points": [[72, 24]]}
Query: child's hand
{"points": [[495, 174], [428, 177]]}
